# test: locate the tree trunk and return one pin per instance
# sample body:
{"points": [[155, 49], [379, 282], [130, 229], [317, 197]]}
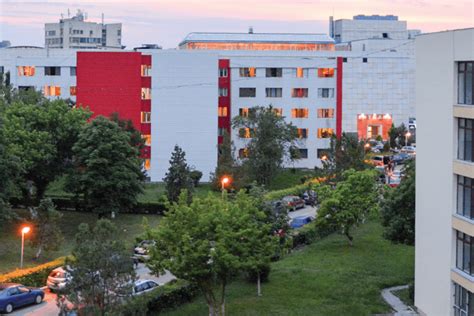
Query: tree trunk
{"points": [[223, 298], [350, 238], [259, 291], [38, 252], [40, 190]]}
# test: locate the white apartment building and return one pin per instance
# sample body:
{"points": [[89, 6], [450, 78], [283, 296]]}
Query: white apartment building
{"points": [[77, 33], [444, 265]]}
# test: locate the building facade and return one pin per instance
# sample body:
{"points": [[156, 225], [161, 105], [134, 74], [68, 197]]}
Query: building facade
{"points": [[77, 33], [444, 269]]}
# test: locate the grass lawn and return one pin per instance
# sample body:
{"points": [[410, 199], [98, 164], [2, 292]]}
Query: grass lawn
{"points": [[288, 178], [130, 226], [325, 278]]}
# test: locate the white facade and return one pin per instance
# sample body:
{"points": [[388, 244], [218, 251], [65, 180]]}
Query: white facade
{"points": [[76, 33], [438, 166]]}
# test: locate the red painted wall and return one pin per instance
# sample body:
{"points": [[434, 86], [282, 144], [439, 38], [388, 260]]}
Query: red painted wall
{"points": [[339, 98], [109, 82], [224, 82]]}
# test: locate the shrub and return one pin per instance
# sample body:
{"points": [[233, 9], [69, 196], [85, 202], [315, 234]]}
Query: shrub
{"points": [[196, 176], [35, 276], [308, 234]]}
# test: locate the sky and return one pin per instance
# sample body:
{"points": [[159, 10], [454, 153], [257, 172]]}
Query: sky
{"points": [[167, 22]]}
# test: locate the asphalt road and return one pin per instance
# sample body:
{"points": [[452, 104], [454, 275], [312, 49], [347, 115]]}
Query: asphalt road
{"points": [[49, 308]]}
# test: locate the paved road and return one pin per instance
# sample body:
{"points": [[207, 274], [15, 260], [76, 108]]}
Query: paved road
{"points": [[307, 211], [49, 308]]}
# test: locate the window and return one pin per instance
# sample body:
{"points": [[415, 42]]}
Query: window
{"points": [[221, 131], [146, 94], [223, 73], [364, 60], [465, 197], [222, 111], [52, 91], [146, 70], [278, 111], [27, 71], [344, 60], [326, 92], [273, 92], [301, 72], [464, 252], [299, 92], [243, 153], [246, 132], [2, 69], [325, 72], [302, 132], [465, 83], [385, 35], [223, 92], [325, 132], [145, 117], [463, 301], [465, 138], [52, 71], [273, 72], [72, 90], [26, 88], [303, 153], [50, 33], [244, 112], [247, 72], [247, 92], [72, 71], [325, 113], [147, 164], [147, 139], [299, 113], [323, 153]]}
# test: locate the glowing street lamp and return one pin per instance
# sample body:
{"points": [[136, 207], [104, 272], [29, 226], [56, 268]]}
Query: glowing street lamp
{"points": [[24, 230], [224, 181], [407, 135]]}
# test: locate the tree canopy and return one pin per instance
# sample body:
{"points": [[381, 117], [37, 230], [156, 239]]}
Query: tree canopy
{"points": [[178, 177]]}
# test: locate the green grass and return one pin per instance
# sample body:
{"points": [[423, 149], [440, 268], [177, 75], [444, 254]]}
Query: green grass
{"points": [[288, 178], [326, 278], [130, 226], [405, 297]]}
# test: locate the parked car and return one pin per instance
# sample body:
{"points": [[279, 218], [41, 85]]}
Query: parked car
{"points": [[309, 198], [293, 202], [377, 161], [14, 295], [142, 250], [300, 221], [401, 158], [144, 286], [58, 279], [409, 150], [394, 181]]}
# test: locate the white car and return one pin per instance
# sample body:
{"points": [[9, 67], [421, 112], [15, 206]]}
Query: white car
{"points": [[143, 286], [58, 278]]}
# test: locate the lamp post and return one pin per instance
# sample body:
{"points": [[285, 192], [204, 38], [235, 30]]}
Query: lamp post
{"points": [[407, 135], [224, 181], [24, 230]]}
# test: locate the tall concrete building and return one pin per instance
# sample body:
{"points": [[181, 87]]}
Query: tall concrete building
{"points": [[444, 260], [77, 33]]}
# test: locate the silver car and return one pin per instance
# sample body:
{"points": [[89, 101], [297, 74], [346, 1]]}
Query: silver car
{"points": [[143, 286]]}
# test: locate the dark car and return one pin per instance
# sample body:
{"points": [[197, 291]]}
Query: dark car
{"points": [[293, 202], [300, 221], [401, 158], [13, 295]]}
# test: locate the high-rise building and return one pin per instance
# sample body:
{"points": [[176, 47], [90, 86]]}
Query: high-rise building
{"points": [[77, 33], [444, 259]]}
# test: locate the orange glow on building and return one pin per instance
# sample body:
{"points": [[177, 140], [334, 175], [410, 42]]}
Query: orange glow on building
{"points": [[371, 125], [258, 46], [325, 72]]}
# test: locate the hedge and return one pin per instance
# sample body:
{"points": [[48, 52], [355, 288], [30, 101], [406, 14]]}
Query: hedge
{"points": [[308, 234], [35, 276], [168, 296]]}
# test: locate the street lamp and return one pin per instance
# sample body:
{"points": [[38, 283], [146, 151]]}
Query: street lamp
{"points": [[24, 230], [407, 135], [224, 181]]}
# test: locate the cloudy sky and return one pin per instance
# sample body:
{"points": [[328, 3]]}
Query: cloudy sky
{"points": [[166, 22]]}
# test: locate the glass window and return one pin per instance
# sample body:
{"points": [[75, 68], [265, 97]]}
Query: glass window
{"points": [[299, 92], [247, 92], [325, 72], [465, 197], [246, 132], [299, 113], [243, 153], [463, 299], [221, 131], [146, 70], [325, 132], [302, 132], [273, 92], [326, 92], [303, 153], [146, 93], [72, 90], [147, 139], [27, 71], [52, 91], [223, 92], [301, 72], [323, 153], [325, 113], [52, 71], [273, 72], [465, 83], [223, 72], [72, 71], [222, 111], [145, 117], [465, 137], [278, 111], [247, 72], [464, 247]]}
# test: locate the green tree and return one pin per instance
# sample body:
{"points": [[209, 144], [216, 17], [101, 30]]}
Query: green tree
{"points": [[349, 204], [397, 135], [101, 270], [178, 177], [271, 141], [136, 138], [398, 209], [8, 174], [47, 234], [208, 242], [41, 137], [107, 170]]}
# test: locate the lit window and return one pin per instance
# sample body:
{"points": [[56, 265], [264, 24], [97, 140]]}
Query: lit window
{"points": [[323, 153], [223, 73], [299, 113], [325, 113], [72, 90], [52, 71], [301, 72], [147, 139], [52, 91], [278, 111], [273, 92], [146, 93], [246, 132], [247, 72], [325, 72], [273, 72], [244, 112], [72, 71], [325, 132], [223, 92], [299, 92], [147, 164], [145, 117], [222, 111], [326, 93], [247, 92], [302, 132], [27, 71], [146, 70], [243, 153]]}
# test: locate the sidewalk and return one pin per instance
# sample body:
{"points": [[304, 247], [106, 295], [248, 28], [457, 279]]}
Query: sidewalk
{"points": [[397, 305]]}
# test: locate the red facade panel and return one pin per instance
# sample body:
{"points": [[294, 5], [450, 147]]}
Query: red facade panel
{"points": [[224, 101], [339, 98]]}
